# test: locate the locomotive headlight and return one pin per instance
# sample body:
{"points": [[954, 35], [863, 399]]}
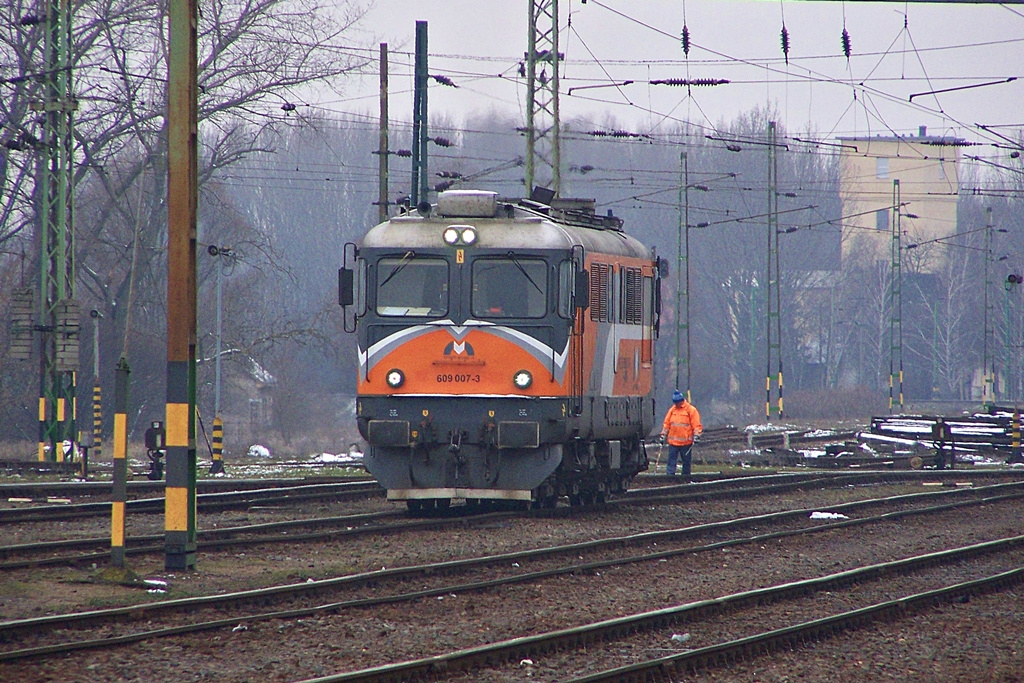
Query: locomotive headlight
{"points": [[469, 235], [522, 379], [395, 378], [450, 235]]}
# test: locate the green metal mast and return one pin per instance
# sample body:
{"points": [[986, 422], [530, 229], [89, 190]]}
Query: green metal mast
{"points": [[987, 369], [773, 331], [543, 156], [420, 186], [57, 311], [896, 305], [683, 276]]}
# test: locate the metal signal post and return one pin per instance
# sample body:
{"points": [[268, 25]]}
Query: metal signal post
{"points": [[182, 199]]}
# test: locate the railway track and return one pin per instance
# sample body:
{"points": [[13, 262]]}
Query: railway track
{"points": [[206, 502], [583, 641], [41, 490], [89, 550], [390, 586]]}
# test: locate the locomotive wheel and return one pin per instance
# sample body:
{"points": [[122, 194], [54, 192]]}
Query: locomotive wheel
{"points": [[415, 506]]}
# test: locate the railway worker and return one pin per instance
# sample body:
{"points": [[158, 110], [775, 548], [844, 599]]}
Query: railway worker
{"points": [[941, 435], [680, 427]]}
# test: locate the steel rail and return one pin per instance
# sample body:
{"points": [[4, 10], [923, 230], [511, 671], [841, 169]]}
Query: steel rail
{"points": [[190, 604], [798, 634], [598, 632], [214, 538], [92, 488], [137, 544], [206, 501], [677, 493]]}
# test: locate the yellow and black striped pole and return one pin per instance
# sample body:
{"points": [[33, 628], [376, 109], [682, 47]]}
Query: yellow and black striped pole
{"points": [[97, 420], [42, 429], [217, 467], [1015, 436], [58, 448], [120, 463], [182, 201], [97, 390]]}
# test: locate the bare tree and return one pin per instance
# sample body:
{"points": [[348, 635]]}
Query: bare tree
{"points": [[256, 58]]}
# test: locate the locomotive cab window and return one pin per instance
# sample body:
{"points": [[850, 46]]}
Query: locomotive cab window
{"points": [[509, 288], [412, 285]]}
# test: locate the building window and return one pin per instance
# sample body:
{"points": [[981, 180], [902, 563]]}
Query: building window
{"points": [[881, 167], [882, 219]]}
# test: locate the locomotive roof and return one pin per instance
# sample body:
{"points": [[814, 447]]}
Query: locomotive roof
{"points": [[508, 224]]}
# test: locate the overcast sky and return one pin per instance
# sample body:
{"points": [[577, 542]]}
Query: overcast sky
{"points": [[898, 50]]}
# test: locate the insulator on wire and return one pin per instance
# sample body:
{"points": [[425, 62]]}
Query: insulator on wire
{"points": [[616, 134], [288, 106], [30, 20], [444, 80], [403, 153], [690, 81], [441, 142], [846, 43], [785, 43], [686, 41], [448, 174]]}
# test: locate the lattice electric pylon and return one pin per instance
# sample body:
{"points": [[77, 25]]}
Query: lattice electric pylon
{"points": [[543, 157], [58, 321]]}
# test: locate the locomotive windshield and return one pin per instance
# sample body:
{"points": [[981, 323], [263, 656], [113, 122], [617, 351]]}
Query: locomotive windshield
{"points": [[509, 288], [412, 285]]}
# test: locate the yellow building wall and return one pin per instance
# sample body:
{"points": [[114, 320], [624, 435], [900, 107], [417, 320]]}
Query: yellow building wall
{"points": [[928, 176]]}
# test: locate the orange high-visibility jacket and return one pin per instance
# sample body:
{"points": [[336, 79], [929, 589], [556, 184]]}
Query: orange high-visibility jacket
{"points": [[681, 423]]}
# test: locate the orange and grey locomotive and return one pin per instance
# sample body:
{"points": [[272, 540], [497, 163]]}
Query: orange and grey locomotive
{"points": [[506, 350]]}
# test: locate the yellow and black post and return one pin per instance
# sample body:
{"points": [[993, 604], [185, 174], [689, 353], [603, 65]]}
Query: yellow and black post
{"points": [[41, 452], [97, 420], [1015, 455], [59, 448], [97, 391], [217, 466], [120, 463], [182, 200]]}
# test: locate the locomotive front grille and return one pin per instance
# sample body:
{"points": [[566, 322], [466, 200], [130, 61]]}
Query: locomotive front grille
{"points": [[388, 432], [518, 434]]}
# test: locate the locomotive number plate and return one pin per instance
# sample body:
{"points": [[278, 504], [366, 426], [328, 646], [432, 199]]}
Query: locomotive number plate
{"points": [[445, 378]]}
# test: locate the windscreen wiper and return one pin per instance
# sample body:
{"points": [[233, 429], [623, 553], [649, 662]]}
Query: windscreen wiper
{"points": [[409, 255], [522, 270]]}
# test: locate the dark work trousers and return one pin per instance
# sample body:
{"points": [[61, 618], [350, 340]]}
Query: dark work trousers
{"points": [[679, 453], [945, 457]]}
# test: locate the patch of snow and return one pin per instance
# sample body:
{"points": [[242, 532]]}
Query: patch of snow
{"points": [[258, 451], [828, 515], [344, 458]]}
